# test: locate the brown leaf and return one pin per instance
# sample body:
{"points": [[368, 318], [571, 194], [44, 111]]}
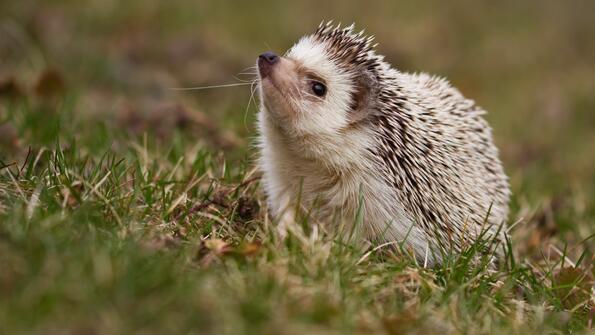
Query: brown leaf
{"points": [[10, 89], [572, 286], [8, 136], [50, 84], [220, 196], [402, 323], [218, 246], [250, 248], [247, 208], [544, 224], [212, 250], [160, 242], [68, 198], [163, 118]]}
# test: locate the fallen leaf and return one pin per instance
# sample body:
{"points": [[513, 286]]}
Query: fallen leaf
{"points": [[250, 248], [50, 84], [8, 136], [10, 89], [572, 286], [218, 246], [247, 208]]}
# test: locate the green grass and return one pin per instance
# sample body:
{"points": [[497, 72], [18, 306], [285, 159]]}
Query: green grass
{"points": [[126, 207]]}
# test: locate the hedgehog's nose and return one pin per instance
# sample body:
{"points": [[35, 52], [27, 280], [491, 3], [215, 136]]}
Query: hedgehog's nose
{"points": [[269, 57], [266, 62]]}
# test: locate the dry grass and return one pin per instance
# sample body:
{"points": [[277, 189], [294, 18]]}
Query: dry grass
{"points": [[127, 207]]}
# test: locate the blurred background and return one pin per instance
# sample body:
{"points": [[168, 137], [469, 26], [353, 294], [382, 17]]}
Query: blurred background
{"points": [[112, 65]]}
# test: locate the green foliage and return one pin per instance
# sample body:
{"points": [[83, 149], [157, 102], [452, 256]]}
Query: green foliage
{"points": [[126, 207]]}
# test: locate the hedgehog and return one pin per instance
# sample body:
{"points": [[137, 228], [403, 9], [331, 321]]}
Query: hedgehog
{"points": [[353, 142]]}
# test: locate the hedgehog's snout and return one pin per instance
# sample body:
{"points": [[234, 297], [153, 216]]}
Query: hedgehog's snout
{"points": [[266, 61]]}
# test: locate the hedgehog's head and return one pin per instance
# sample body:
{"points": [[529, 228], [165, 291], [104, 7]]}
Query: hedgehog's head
{"points": [[325, 83]]}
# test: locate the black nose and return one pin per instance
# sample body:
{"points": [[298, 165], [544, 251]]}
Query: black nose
{"points": [[266, 62], [269, 57]]}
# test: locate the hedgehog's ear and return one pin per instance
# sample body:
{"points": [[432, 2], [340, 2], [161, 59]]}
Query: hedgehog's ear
{"points": [[363, 97]]}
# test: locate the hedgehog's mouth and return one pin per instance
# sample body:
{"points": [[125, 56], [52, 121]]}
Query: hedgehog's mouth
{"points": [[278, 85], [276, 99]]}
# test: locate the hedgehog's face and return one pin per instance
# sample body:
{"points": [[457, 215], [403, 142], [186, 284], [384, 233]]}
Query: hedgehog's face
{"points": [[309, 92]]}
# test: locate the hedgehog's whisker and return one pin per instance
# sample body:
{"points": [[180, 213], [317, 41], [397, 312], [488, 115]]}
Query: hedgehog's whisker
{"points": [[253, 88], [197, 88], [252, 70], [310, 95], [296, 101], [253, 67], [245, 81]]}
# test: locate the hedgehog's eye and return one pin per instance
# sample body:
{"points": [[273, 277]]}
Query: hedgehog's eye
{"points": [[318, 88]]}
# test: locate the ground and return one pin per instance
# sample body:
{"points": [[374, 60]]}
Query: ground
{"points": [[129, 207]]}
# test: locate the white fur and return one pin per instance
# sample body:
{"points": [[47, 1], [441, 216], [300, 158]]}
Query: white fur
{"points": [[309, 152], [325, 164]]}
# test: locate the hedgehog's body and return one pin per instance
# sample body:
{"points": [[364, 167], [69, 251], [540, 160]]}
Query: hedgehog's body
{"points": [[344, 133]]}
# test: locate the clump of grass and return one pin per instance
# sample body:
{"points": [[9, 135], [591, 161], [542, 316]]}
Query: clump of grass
{"points": [[137, 237], [126, 207]]}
